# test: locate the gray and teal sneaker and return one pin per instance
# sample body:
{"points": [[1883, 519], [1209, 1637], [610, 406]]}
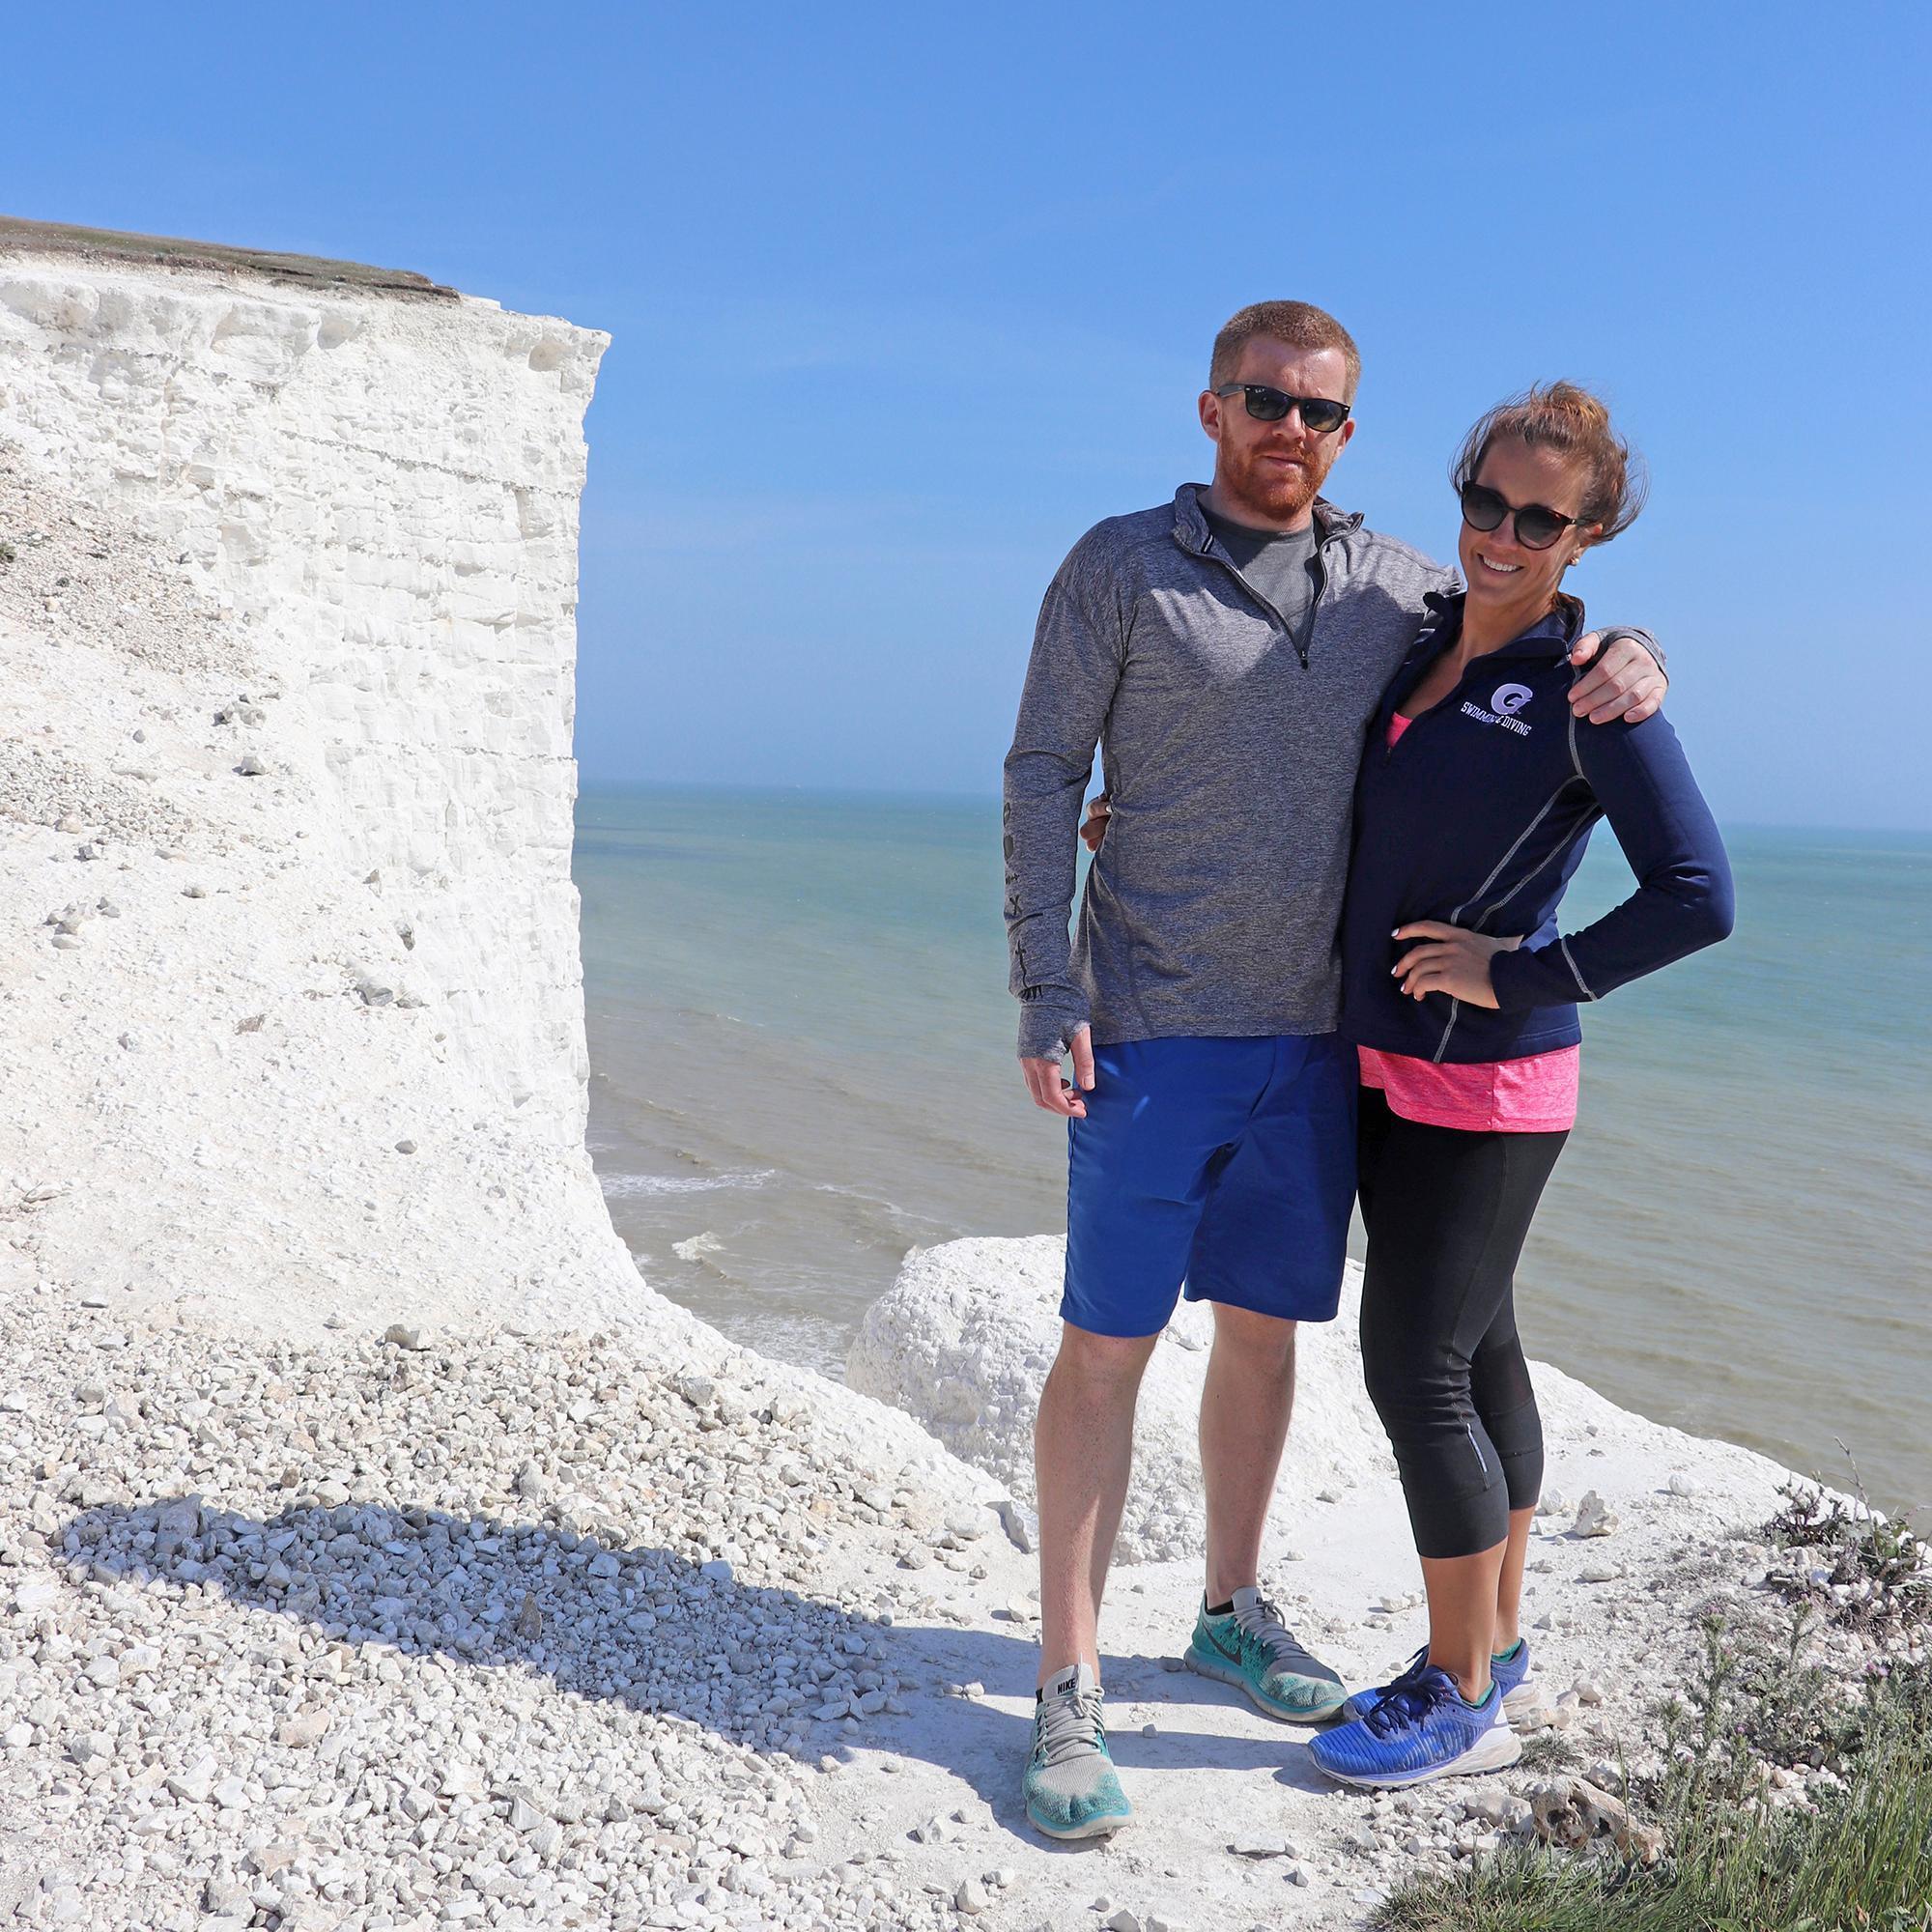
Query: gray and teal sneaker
{"points": [[1510, 1669], [1070, 1786], [1251, 1648]]}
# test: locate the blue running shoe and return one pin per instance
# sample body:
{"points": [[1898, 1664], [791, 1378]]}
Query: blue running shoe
{"points": [[1069, 1787], [1419, 1728], [1252, 1649], [1510, 1669]]}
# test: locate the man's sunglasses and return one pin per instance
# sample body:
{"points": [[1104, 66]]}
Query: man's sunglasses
{"points": [[1537, 526], [1266, 405]]}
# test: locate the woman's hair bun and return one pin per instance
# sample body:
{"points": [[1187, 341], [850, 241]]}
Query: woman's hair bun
{"points": [[1568, 417]]}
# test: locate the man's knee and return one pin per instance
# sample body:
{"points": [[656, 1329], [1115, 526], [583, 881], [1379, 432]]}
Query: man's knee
{"points": [[1101, 1362], [1260, 1343]]}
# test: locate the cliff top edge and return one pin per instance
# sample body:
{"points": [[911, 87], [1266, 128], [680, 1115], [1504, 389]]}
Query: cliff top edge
{"points": [[19, 236]]}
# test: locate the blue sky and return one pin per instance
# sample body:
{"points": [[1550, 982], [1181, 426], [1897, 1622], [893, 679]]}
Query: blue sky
{"points": [[902, 302]]}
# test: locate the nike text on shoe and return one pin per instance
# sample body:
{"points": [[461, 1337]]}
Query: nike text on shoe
{"points": [[1070, 1789], [1510, 1669], [1250, 1648], [1418, 1729]]}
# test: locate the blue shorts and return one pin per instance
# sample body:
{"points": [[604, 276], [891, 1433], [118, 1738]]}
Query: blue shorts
{"points": [[1227, 1164]]}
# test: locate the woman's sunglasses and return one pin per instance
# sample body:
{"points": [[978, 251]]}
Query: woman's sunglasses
{"points": [[1537, 526], [1266, 405]]}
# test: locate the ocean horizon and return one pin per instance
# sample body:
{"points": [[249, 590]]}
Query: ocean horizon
{"points": [[802, 1065]]}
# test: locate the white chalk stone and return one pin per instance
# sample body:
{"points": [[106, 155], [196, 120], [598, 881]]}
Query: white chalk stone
{"points": [[1595, 1518], [963, 1341]]}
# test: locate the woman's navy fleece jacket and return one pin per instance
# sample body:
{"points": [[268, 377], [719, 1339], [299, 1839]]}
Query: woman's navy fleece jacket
{"points": [[1479, 816]]}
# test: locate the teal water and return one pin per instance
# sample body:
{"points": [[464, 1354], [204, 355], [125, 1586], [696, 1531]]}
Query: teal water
{"points": [[802, 1064]]}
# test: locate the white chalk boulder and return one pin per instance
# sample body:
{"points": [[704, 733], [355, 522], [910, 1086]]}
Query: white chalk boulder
{"points": [[963, 1341]]}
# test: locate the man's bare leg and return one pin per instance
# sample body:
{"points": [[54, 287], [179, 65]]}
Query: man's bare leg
{"points": [[1082, 1450], [1245, 1410]]}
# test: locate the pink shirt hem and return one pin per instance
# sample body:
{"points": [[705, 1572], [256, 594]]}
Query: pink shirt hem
{"points": [[1533, 1095]]}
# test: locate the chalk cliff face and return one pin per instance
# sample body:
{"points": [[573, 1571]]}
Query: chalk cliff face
{"points": [[328, 531]]}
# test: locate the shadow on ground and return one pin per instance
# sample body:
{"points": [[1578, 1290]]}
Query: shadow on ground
{"points": [[646, 1630]]}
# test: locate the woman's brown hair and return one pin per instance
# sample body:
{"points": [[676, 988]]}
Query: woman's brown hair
{"points": [[1563, 416]]}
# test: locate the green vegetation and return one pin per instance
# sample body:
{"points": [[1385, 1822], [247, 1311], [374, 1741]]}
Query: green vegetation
{"points": [[1550, 1752], [1854, 1856], [1860, 1862], [1875, 1560]]}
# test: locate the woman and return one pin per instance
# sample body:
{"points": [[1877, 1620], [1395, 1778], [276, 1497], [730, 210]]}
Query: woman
{"points": [[1476, 797]]}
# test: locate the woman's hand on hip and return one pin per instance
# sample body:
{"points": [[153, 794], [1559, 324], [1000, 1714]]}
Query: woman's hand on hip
{"points": [[1450, 959]]}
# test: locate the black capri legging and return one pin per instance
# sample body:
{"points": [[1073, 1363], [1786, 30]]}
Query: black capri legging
{"points": [[1446, 1211]]}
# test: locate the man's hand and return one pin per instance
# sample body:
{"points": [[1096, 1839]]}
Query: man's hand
{"points": [[1096, 827], [1048, 1084], [1624, 682], [1452, 960]]}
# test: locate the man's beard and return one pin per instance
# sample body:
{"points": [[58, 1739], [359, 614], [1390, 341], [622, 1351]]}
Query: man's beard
{"points": [[1275, 495]]}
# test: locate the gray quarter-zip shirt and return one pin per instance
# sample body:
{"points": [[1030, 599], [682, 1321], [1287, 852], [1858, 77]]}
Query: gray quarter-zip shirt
{"points": [[1229, 750]]}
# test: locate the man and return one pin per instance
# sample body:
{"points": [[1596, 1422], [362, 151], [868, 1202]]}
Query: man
{"points": [[1226, 652]]}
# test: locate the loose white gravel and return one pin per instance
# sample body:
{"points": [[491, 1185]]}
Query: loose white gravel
{"points": [[478, 1628]]}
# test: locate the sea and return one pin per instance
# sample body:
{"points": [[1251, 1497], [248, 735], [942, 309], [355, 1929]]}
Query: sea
{"points": [[802, 1064]]}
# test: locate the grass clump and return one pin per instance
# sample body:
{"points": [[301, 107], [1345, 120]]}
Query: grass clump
{"points": [[1874, 1578], [1852, 1854], [1862, 1861], [1550, 1752]]}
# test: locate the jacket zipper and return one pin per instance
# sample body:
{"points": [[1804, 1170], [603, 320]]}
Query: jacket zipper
{"points": [[1455, 1005], [1314, 603], [1388, 752], [1388, 748]]}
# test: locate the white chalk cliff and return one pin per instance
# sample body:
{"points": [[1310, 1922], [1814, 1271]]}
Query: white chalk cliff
{"points": [[289, 645]]}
